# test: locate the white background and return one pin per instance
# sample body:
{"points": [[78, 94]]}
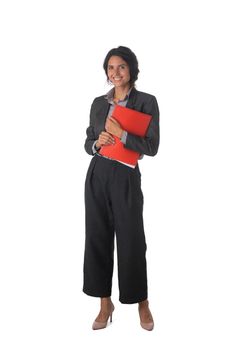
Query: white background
{"points": [[51, 70]]}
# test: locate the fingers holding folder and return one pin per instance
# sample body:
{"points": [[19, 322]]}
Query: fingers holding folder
{"points": [[113, 127], [105, 139]]}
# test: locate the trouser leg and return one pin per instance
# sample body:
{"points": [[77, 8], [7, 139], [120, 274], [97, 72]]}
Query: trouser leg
{"points": [[99, 242], [127, 199]]}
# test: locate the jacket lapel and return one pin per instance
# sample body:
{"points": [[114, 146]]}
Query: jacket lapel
{"points": [[132, 97], [102, 115]]}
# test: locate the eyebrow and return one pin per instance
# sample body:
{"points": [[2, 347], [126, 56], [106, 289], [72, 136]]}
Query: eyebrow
{"points": [[122, 64]]}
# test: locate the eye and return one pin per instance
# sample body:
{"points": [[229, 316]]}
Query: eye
{"points": [[110, 67], [122, 66]]}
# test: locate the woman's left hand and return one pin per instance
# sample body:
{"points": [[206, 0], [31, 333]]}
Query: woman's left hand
{"points": [[113, 127]]}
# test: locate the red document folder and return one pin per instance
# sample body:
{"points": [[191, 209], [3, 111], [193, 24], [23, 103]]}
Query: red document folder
{"points": [[135, 123]]}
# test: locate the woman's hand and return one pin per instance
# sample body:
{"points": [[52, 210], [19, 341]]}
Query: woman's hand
{"points": [[105, 139], [113, 127]]}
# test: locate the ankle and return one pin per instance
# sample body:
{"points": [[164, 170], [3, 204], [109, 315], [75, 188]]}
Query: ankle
{"points": [[106, 303], [143, 304]]}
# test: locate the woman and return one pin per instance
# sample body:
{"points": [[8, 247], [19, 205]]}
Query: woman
{"points": [[113, 195]]}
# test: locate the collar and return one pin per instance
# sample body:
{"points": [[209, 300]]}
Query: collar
{"points": [[110, 94]]}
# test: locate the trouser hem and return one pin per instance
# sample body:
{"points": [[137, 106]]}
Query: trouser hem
{"points": [[132, 300], [97, 295]]}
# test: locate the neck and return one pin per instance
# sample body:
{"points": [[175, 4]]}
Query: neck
{"points": [[121, 91]]}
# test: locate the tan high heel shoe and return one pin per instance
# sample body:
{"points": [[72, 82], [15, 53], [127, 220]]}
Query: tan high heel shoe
{"points": [[147, 325], [100, 325]]}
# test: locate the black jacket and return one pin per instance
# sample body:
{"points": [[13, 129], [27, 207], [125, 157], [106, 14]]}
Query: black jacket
{"points": [[140, 101]]}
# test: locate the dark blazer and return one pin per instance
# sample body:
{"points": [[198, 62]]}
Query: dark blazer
{"points": [[140, 101]]}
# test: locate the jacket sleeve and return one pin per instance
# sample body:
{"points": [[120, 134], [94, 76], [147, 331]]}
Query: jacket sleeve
{"points": [[150, 143], [90, 139]]}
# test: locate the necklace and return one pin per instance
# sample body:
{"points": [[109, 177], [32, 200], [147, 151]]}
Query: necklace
{"points": [[118, 98]]}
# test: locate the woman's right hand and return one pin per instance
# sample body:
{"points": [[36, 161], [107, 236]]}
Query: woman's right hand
{"points": [[105, 138]]}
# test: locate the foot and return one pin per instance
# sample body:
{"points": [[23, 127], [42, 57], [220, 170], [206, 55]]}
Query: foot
{"points": [[106, 310], [146, 319]]}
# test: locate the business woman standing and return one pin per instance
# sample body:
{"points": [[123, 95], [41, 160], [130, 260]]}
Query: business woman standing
{"points": [[113, 195]]}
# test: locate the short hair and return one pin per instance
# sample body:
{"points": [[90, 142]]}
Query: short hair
{"points": [[129, 57]]}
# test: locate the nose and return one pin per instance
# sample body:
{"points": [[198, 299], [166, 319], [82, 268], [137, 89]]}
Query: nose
{"points": [[116, 71]]}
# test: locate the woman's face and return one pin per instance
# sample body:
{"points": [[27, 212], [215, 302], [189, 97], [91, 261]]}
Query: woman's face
{"points": [[118, 71]]}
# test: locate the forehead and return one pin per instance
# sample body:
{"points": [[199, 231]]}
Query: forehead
{"points": [[116, 60]]}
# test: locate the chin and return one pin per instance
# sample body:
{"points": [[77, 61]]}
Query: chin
{"points": [[120, 84]]}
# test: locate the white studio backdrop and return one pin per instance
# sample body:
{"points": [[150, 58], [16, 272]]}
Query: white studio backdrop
{"points": [[50, 71]]}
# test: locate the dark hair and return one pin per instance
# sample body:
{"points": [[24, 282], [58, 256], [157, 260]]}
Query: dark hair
{"points": [[129, 57]]}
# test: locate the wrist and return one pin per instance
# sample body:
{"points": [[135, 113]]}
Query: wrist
{"points": [[97, 145], [120, 133]]}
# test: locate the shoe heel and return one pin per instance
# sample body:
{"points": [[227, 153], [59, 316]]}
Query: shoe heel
{"points": [[111, 317]]}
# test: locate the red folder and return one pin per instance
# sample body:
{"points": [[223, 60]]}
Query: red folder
{"points": [[135, 123]]}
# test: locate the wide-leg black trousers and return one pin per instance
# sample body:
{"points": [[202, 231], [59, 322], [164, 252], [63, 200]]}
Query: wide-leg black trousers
{"points": [[114, 205]]}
